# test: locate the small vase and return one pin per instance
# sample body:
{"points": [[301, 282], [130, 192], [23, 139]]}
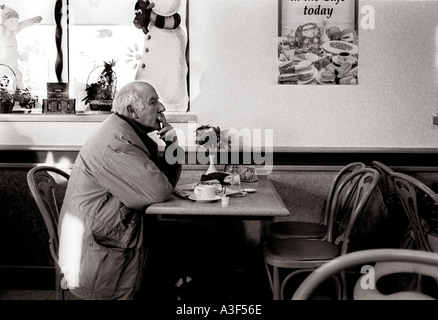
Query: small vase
{"points": [[212, 167]]}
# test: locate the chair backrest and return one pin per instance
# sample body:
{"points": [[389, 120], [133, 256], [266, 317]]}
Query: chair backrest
{"points": [[420, 205], [349, 201], [396, 216], [386, 185], [388, 261], [47, 185], [339, 178]]}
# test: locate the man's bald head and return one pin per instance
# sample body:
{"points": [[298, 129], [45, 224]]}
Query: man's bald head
{"points": [[131, 96]]}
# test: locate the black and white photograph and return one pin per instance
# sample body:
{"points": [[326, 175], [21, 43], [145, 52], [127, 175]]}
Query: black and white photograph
{"points": [[164, 153]]}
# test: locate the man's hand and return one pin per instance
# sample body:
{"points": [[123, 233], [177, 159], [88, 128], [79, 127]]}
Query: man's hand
{"points": [[167, 132], [37, 19]]}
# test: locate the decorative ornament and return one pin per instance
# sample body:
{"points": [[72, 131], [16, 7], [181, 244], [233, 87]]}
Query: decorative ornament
{"points": [[163, 62], [9, 28], [213, 139]]}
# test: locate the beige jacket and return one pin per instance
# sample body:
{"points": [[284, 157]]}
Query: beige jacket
{"points": [[116, 176]]}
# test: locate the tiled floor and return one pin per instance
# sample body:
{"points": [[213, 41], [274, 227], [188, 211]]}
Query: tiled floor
{"points": [[158, 286], [22, 283]]}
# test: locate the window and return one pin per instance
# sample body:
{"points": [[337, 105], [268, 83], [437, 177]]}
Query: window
{"points": [[98, 31], [31, 52]]}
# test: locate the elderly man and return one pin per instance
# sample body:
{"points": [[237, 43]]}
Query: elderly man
{"points": [[117, 175]]}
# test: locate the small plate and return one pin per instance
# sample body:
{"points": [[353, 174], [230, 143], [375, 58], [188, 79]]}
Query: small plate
{"points": [[318, 79], [315, 73], [204, 200], [338, 63], [349, 47], [248, 190]]}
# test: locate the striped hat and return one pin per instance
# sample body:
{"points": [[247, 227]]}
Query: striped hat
{"points": [[8, 13]]}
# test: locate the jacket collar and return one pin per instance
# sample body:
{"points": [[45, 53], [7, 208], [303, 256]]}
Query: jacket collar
{"points": [[142, 132]]}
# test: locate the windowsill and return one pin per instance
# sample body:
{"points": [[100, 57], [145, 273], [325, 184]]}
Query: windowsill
{"points": [[35, 116]]}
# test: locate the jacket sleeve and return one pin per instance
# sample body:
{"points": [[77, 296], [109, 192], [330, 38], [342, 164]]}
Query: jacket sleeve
{"points": [[130, 175], [170, 161]]}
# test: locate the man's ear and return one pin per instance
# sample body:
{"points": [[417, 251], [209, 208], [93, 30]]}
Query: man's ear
{"points": [[132, 112]]}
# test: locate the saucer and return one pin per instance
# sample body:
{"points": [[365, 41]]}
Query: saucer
{"points": [[205, 200], [336, 61]]}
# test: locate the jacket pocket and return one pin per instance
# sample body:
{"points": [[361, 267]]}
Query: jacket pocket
{"points": [[102, 267]]}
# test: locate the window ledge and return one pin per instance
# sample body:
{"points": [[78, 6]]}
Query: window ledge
{"points": [[82, 117]]}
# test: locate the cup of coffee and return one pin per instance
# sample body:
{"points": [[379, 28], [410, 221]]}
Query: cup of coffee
{"points": [[343, 57], [205, 192]]}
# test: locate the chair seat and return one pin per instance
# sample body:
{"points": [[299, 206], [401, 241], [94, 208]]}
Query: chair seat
{"points": [[286, 253], [297, 230]]}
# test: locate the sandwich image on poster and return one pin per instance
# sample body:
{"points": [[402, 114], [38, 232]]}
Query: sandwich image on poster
{"points": [[318, 43]]}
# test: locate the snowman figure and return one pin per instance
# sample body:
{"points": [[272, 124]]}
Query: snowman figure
{"points": [[9, 29], [163, 63]]}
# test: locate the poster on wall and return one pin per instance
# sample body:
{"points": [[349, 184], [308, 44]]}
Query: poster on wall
{"points": [[318, 42]]}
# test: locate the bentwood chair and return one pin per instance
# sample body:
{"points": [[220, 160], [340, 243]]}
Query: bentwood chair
{"points": [[312, 230], [47, 185], [399, 224], [383, 262], [305, 255], [420, 204], [386, 186]]}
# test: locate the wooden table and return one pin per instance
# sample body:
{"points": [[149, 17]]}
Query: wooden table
{"points": [[222, 242], [265, 202]]}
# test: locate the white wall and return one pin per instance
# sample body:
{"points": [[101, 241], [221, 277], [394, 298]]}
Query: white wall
{"points": [[233, 58], [233, 46]]}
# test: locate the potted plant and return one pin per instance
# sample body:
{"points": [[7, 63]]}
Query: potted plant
{"points": [[6, 101], [6, 95], [100, 94], [213, 139], [25, 98]]}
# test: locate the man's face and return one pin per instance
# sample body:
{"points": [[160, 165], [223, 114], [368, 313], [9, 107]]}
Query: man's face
{"points": [[152, 109]]}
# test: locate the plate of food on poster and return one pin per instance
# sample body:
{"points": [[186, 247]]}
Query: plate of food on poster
{"points": [[319, 55], [336, 47]]}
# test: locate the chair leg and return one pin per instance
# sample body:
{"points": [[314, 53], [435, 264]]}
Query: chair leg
{"points": [[268, 272], [290, 276], [274, 280], [59, 292], [276, 283], [419, 283], [340, 286]]}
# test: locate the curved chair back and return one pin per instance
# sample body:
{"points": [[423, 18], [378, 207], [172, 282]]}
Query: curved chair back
{"points": [[339, 178], [287, 229], [386, 185], [396, 216], [349, 202], [47, 185], [388, 261], [420, 205]]}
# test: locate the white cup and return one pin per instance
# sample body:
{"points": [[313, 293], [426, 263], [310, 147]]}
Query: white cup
{"points": [[344, 57], [205, 192]]}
